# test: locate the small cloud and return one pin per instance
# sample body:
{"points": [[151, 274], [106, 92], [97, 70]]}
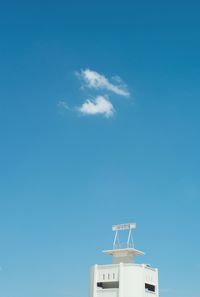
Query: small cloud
{"points": [[99, 105], [62, 104], [95, 80]]}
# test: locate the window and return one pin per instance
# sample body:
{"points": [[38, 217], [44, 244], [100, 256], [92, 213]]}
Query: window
{"points": [[103, 276], [150, 288], [108, 285], [108, 276], [113, 275]]}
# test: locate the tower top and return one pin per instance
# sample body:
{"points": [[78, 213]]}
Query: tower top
{"points": [[123, 251]]}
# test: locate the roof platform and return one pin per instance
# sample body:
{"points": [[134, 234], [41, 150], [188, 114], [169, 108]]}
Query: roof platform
{"points": [[126, 254]]}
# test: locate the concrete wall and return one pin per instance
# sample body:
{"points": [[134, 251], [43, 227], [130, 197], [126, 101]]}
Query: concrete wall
{"points": [[131, 277]]}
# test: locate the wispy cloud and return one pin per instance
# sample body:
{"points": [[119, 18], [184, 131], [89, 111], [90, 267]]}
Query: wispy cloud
{"points": [[99, 105], [95, 80], [62, 104]]}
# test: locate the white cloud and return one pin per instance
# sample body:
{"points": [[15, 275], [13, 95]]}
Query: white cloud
{"points": [[94, 80], [99, 105]]}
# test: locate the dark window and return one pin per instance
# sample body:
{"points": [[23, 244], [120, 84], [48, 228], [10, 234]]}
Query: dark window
{"points": [[108, 285], [150, 288]]}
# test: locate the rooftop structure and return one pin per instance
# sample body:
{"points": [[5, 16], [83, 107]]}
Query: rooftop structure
{"points": [[123, 278], [123, 251]]}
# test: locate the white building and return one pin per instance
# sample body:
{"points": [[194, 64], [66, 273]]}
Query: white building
{"points": [[123, 278]]}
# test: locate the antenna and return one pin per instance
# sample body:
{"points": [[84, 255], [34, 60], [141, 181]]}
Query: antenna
{"points": [[123, 227]]}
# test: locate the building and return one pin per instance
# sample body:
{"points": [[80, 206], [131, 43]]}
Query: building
{"points": [[123, 278]]}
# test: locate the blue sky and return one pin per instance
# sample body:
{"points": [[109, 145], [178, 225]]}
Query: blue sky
{"points": [[67, 174]]}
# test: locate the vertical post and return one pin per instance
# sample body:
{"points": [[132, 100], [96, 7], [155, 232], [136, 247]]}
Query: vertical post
{"points": [[121, 278], [128, 240], [94, 294], [157, 287], [115, 239]]}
